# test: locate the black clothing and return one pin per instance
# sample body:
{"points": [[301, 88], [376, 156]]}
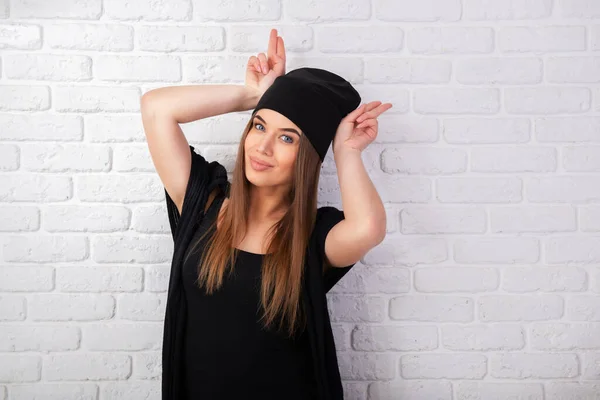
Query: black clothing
{"points": [[226, 343], [204, 177]]}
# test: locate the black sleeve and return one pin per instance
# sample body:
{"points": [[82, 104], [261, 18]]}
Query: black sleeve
{"points": [[327, 218], [203, 175]]}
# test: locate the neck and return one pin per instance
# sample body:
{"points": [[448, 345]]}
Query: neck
{"points": [[267, 203]]}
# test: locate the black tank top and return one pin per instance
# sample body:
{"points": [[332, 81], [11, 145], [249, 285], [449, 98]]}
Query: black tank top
{"points": [[228, 354]]}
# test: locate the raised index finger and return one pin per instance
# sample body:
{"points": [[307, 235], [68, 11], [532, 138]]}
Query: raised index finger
{"points": [[272, 44]]}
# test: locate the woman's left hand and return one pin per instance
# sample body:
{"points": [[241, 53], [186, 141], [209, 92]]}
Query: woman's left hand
{"points": [[359, 128]]}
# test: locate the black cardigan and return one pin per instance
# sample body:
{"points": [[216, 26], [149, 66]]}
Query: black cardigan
{"points": [[204, 177]]}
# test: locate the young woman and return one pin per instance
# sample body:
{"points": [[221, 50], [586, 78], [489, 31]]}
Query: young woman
{"points": [[246, 310]]}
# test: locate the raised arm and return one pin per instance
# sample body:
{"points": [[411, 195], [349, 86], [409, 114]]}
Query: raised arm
{"points": [[163, 109]]}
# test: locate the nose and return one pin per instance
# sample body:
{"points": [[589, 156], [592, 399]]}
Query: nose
{"points": [[266, 144]]}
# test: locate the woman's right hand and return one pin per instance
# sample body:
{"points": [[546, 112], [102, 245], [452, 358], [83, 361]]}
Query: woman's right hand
{"points": [[262, 70]]}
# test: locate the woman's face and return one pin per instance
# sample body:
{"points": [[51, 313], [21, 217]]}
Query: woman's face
{"points": [[272, 139]]}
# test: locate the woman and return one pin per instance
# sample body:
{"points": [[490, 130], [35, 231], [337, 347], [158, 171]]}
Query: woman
{"points": [[246, 316]]}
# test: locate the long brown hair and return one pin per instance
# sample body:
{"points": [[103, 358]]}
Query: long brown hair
{"points": [[283, 265]]}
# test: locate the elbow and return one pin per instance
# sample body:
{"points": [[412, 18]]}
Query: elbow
{"points": [[376, 231], [146, 102]]}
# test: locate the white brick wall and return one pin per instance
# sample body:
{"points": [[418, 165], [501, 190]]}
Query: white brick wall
{"points": [[487, 286]]}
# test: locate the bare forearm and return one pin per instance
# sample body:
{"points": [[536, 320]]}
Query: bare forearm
{"points": [[360, 201], [193, 102]]}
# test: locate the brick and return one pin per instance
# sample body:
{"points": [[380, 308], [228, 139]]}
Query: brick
{"points": [[456, 279], [534, 365], [506, 10], [130, 249], [48, 67], [180, 38], [147, 365], [366, 366], [87, 366], [573, 69], [20, 36], [581, 159], [65, 9], [26, 278], [549, 39], [408, 251], [162, 10], [409, 11], [456, 101], [423, 161], [96, 98], [415, 70], [513, 159], [150, 219], [394, 338], [65, 158], [497, 250], [499, 70], [121, 68], [443, 366], [572, 249], [567, 129], [142, 306], [499, 391], [71, 307], [17, 218], [564, 336], [538, 218], [35, 187], [469, 130], [544, 279], [479, 190], [12, 308], [99, 279], [520, 307], [440, 219], [374, 280], [589, 218], [63, 391], [119, 336], [44, 338], [451, 40], [579, 9], [483, 337], [345, 308], [429, 308], [9, 159], [335, 10], [41, 127], [563, 189], [92, 37], [24, 97], [547, 100], [123, 188], [45, 248], [413, 389], [105, 128], [360, 39], [17, 368]]}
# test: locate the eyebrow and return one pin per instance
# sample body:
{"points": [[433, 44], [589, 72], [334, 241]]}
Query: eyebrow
{"points": [[282, 129]]}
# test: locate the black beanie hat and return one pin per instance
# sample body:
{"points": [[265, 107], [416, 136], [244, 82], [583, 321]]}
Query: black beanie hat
{"points": [[315, 100]]}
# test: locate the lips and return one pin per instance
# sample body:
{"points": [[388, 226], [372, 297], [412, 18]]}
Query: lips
{"points": [[260, 162]]}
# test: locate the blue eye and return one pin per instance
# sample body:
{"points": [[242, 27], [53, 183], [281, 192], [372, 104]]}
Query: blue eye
{"points": [[291, 140], [255, 125]]}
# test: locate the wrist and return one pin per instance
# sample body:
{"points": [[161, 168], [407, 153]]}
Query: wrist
{"points": [[250, 98]]}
